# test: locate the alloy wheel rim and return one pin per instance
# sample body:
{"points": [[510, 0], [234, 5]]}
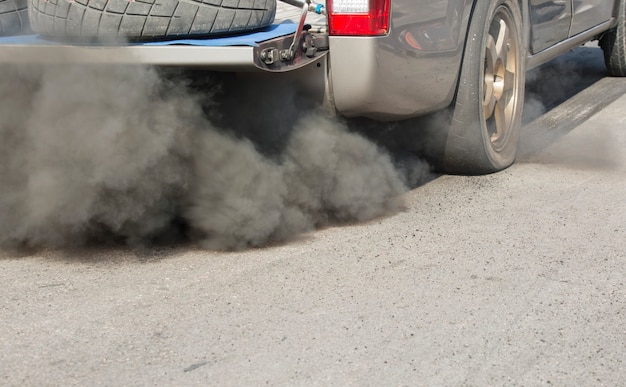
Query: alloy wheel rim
{"points": [[501, 70]]}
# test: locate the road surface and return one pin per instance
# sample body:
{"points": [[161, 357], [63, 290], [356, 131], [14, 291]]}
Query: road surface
{"points": [[515, 278]]}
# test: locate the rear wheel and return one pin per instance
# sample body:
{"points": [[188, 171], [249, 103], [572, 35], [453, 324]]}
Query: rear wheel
{"points": [[613, 44], [484, 131], [148, 19]]}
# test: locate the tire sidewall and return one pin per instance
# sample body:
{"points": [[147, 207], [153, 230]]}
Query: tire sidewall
{"points": [[468, 113]]}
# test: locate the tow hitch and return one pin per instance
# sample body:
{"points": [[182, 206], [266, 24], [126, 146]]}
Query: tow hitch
{"points": [[305, 46]]}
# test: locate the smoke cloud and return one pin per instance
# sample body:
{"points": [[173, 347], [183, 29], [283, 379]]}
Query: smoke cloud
{"points": [[130, 155]]}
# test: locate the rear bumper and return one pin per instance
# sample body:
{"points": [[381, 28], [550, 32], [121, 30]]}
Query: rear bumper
{"points": [[411, 71], [375, 79], [39, 52], [234, 54]]}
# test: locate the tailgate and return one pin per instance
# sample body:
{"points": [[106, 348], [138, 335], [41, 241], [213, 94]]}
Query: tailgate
{"points": [[261, 50]]}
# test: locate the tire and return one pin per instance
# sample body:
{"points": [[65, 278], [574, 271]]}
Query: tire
{"points": [[148, 19], [484, 130], [613, 44], [14, 17]]}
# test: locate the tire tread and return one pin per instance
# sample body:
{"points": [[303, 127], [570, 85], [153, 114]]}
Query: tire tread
{"points": [[14, 17], [147, 19]]}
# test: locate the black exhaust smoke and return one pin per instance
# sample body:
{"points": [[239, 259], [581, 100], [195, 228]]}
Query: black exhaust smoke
{"points": [[125, 154]]}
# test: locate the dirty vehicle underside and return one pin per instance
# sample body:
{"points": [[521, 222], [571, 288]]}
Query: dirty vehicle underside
{"points": [[385, 60]]}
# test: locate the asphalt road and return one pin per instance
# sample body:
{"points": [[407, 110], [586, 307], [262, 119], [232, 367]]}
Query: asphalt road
{"points": [[515, 278]]}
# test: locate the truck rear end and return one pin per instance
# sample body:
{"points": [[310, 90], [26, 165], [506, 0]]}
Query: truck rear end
{"points": [[369, 58]]}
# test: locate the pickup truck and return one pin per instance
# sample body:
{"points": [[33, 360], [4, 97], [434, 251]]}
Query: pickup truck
{"points": [[392, 60]]}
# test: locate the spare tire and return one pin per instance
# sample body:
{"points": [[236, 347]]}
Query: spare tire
{"points": [[148, 19], [13, 17]]}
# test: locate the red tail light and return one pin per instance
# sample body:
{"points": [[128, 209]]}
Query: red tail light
{"points": [[358, 17]]}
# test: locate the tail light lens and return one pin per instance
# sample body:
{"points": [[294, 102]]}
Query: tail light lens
{"points": [[358, 17]]}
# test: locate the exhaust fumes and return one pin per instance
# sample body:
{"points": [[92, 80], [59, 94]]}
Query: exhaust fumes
{"points": [[99, 150], [560, 96], [240, 198], [110, 153]]}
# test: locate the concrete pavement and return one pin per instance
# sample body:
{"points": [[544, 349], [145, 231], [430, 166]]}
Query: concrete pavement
{"points": [[515, 278]]}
